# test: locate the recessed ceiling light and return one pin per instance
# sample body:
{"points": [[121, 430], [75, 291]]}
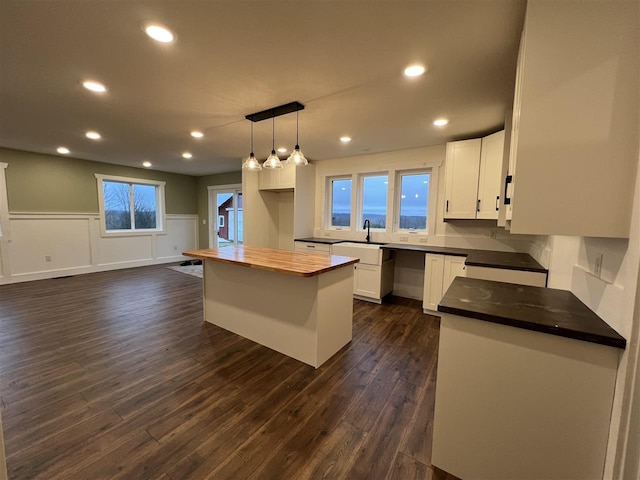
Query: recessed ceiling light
{"points": [[345, 139], [96, 87], [93, 135], [146, 164], [159, 33], [197, 134], [282, 150], [440, 122], [63, 150], [414, 70], [186, 155]]}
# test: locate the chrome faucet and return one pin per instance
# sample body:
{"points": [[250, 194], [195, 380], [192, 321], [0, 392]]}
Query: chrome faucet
{"points": [[367, 225]]}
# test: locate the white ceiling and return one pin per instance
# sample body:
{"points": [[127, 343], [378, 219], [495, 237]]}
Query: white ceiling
{"points": [[342, 59]]}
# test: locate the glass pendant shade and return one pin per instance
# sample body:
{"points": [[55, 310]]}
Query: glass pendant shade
{"points": [[272, 161], [251, 163], [297, 157]]}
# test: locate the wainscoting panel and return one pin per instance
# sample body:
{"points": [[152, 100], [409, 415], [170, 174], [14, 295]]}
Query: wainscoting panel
{"points": [[48, 245], [54, 243]]}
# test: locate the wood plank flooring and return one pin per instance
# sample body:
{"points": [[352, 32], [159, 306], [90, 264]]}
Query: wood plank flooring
{"points": [[115, 375]]}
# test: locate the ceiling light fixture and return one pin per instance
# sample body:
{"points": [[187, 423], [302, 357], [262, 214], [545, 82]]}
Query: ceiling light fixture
{"points": [[414, 70], [187, 155], [197, 134], [95, 87], [272, 160], [297, 157], [146, 164], [345, 139], [159, 33], [251, 162], [440, 122], [93, 135], [63, 150]]}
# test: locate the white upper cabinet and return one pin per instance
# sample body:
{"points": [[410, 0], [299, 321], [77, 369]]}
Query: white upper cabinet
{"points": [[472, 177], [278, 178], [462, 170], [574, 138], [490, 174]]}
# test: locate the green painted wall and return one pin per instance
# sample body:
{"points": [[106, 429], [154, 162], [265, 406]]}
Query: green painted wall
{"points": [[48, 183], [230, 178]]}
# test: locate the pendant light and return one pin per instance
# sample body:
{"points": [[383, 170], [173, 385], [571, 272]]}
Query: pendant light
{"points": [[297, 157], [272, 160], [251, 163]]}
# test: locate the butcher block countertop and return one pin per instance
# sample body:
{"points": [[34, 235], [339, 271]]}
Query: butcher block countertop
{"points": [[282, 261]]}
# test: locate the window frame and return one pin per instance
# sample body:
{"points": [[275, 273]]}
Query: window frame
{"points": [[160, 206], [360, 196], [329, 200], [398, 199], [4, 202]]}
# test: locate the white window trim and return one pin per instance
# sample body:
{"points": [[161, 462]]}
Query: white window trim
{"points": [[431, 199], [160, 206], [360, 196], [329, 200]]}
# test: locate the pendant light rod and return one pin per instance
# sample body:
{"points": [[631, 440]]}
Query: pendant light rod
{"points": [[275, 111], [273, 134], [297, 130]]}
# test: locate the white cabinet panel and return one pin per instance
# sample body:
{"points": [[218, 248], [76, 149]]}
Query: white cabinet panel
{"points": [[453, 267], [462, 169], [277, 178], [366, 280], [439, 272], [490, 174], [433, 274]]}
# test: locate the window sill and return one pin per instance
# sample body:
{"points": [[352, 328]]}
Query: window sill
{"points": [[132, 233]]}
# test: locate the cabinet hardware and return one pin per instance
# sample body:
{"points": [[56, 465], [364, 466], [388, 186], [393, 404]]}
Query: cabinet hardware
{"points": [[508, 180], [497, 203], [311, 246], [447, 208], [478, 207]]}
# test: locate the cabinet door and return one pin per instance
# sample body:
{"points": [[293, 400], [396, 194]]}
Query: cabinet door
{"points": [[366, 280], [268, 178], [433, 274], [462, 169], [490, 170], [287, 176], [310, 247], [453, 267]]}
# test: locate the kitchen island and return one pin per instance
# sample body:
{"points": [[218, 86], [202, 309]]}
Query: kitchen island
{"points": [[299, 304]]}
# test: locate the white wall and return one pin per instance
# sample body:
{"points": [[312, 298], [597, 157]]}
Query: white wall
{"points": [[43, 245]]}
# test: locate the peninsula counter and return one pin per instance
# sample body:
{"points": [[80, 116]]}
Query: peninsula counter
{"points": [[299, 304]]}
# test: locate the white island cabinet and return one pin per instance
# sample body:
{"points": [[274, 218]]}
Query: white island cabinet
{"points": [[295, 303]]}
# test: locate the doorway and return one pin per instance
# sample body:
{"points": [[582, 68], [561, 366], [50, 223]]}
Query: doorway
{"points": [[225, 216]]}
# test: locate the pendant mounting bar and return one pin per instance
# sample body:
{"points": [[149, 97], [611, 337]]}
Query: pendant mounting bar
{"points": [[275, 111]]}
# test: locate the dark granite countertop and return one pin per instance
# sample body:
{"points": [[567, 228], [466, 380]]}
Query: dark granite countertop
{"points": [[480, 258], [328, 241], [546, 310]]}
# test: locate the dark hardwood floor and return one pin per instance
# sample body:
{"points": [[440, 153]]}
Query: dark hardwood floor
{"points": [[115, 375]]}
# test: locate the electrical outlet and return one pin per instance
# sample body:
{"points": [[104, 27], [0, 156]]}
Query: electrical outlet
{"points": [[597, 265], [175, 248], [327, 234], [204, 221], [404, 239], [47, 258], [423, 240]]}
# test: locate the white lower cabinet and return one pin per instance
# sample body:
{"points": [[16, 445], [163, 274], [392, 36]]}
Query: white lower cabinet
{"points": [[439, 272], [372, 282]]}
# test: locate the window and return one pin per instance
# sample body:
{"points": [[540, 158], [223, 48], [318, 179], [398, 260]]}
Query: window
{"points": [[413, 201], [340, 202], [374, 200], [130, 204]]}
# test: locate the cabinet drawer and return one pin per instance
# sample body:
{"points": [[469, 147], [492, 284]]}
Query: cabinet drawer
{"points": [[311, 247]]}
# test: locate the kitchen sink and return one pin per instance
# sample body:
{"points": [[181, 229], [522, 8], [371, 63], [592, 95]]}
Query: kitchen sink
{"points": [[369, 253]]}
